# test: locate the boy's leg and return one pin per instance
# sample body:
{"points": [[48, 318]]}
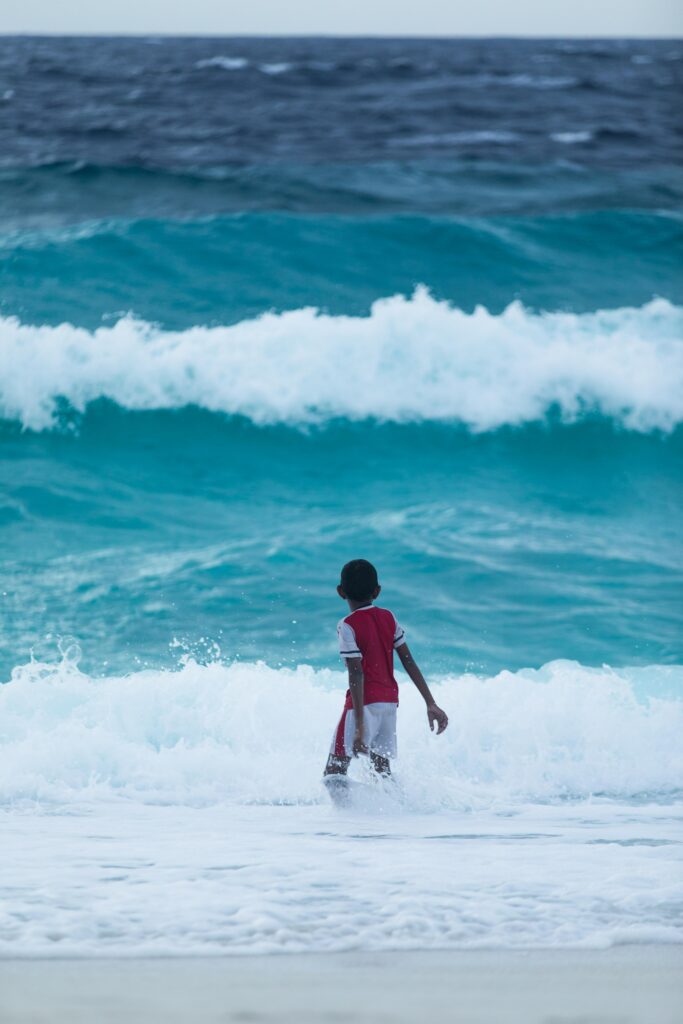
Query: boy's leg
{"points": [[382, 765], [337, 765], [339, 760], [384, 738]]}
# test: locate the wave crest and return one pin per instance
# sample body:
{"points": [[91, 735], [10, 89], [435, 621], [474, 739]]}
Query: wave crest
{"points": [[410, 360]]}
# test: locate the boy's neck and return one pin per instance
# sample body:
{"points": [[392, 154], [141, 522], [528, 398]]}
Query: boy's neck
{"points": [[355, 605]]}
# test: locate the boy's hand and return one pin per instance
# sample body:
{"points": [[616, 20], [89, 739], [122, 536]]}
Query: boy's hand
{"points": [[358, 743], [435, 716]]}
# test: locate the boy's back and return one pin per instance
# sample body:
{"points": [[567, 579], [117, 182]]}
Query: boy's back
{"points": [[372, 634]]}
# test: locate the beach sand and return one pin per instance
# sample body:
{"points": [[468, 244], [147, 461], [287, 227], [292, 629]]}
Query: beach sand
{"points": [[624, 985]]}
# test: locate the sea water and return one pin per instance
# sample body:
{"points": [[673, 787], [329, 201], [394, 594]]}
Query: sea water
{"points": [[268, 305]]}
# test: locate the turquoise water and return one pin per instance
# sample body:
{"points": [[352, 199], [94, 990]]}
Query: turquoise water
{"points": [[267, 305], [223, 269], [503, 550], [238, 349]]}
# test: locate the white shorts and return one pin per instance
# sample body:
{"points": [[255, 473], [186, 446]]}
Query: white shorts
{"points": [[379, 730]]}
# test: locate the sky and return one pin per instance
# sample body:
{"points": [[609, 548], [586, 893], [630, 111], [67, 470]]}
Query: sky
{"points": [[348, 17]]}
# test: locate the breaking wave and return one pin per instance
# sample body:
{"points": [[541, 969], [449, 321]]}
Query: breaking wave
{"points": [[250, 733], [411, 360]]}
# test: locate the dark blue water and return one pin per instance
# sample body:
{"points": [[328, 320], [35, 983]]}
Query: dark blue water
{"points": [[190, 452]]}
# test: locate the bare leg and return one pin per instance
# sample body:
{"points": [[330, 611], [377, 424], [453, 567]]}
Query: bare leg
{"points": [[380, 764], [337, 765]]}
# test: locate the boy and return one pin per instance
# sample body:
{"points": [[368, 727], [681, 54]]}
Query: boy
{"points": [[368, 637]]}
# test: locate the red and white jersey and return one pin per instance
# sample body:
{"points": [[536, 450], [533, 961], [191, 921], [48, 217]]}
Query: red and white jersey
{"points": [[372, 633]]}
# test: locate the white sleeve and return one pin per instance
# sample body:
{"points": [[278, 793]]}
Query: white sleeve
{"points": [[348, 648], [399, 635]]}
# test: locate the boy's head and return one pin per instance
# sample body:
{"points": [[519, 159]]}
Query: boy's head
{"points": [[359, 581]]}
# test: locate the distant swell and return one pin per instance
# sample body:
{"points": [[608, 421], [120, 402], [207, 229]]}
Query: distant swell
{"points": [[410, 360]]}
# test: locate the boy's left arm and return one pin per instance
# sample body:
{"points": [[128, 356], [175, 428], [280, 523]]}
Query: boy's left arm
{"points": [[435, 715]]}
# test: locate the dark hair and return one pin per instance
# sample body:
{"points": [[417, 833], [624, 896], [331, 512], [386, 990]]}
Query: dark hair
{"points": [[359, 580]]}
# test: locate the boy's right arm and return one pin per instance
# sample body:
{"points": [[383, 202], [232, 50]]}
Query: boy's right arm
{"points": [[356, 686], [435, 716]]}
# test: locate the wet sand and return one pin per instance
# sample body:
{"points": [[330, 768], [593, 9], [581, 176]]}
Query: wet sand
{"points": [[624, 985]]}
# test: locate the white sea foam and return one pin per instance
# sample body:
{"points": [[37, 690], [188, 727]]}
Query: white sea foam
{"points": [[539, 81], [226, 63], [267, 68], [466, 138], [247, 732], [128, 879], [524, 81], [410, 360], [276, 67], [570, 138], [182, 813]]}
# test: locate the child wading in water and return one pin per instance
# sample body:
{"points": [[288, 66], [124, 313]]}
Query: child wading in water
{"points": [[368, 637]]}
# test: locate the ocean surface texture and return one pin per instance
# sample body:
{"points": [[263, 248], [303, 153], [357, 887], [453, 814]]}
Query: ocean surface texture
{"points": [[267, 305]]}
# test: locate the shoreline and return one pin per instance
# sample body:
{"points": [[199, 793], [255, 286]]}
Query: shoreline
{"points": [[626, 984]]}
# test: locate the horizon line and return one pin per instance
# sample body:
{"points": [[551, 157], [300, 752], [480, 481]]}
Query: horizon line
{"points": [[13, 34]]}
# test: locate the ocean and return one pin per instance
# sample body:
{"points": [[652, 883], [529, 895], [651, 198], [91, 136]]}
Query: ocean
{"points": [[267, 305]]}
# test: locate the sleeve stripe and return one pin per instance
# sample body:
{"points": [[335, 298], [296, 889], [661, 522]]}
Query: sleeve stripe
{"points": [[348, 644]]}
